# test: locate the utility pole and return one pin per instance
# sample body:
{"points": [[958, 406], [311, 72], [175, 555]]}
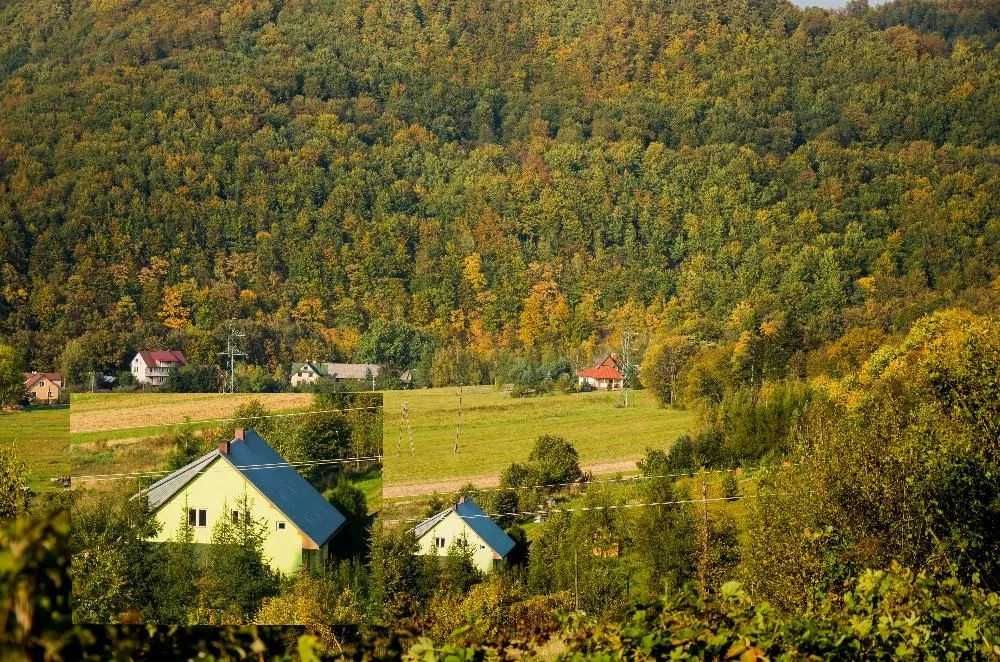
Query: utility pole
{"points": [[399, 436], [703, 566], [627, 336], [233, 351], [458, 428], [576, 576], [409, 428]]}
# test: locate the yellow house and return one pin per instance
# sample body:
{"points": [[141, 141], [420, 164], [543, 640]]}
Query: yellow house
{"points": [[464, 521], [301, 523], [43, 386]]}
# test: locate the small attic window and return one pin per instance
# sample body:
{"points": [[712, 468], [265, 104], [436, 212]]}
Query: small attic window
{"points": [[281, 526]]}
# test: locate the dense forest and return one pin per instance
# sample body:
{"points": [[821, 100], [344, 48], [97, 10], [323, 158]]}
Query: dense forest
{"points": [[793, 215], [446, 185]]}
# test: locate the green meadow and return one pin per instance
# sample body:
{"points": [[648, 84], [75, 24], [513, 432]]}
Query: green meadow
{"points": [[40, 436], [495, 429]]}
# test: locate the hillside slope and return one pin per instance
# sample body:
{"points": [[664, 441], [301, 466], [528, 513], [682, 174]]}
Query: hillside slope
{"points": [[525, 177]]}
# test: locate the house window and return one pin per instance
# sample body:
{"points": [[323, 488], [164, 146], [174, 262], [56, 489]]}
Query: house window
{"points": [[439, 542], [236, 517], [197, 517], [281, 526]]}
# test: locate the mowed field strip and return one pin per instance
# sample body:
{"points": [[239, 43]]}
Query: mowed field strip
{"points": [[134, 414], [496, 430], [41, 440]]}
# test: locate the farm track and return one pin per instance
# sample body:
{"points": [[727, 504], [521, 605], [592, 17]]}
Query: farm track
{"points": [[398, 491]]}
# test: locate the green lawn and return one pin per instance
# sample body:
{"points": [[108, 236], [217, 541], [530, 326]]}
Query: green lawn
{"points": [[497, 429], [41, 439]]}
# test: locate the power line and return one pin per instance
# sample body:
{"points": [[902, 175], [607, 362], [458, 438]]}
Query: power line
{"points": [[623, 479], [242, 467], [232, 351], [622, 506]]}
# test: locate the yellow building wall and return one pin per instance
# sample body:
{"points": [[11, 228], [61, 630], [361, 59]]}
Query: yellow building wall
{"points": [[452, 528], [45, 391], [219, 491]]}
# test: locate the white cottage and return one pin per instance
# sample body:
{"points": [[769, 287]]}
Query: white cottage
{"points": [[464, 521], [153, 367]]}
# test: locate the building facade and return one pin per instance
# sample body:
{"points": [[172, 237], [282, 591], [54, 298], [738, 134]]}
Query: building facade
{"points": [[43, 387], [607, 375], [466, 522], [300, 522], [312, 372], [153, 367]]}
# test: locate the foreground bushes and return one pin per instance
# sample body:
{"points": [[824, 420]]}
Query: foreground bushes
{"points": [[887, 614]]}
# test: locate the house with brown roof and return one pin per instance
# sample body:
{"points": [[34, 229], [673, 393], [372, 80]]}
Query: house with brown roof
{"points": [[153, 367], [607, 375], [312, 372], [43, 387]]}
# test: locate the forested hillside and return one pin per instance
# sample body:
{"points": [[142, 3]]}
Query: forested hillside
{"points": [[518, 178]]}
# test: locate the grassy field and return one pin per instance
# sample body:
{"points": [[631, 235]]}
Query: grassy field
{"points": [[131, 432], [497, 429], [135, 414], [126, 432], [41, 439]]}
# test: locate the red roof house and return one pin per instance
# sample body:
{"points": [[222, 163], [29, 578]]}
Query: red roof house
{"points": [[153, 367], [608, 375]]}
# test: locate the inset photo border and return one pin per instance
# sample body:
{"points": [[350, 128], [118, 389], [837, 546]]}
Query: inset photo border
{"points": [[223, 509]]}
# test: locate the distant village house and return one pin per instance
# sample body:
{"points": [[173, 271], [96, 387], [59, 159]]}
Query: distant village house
{"points": [[608, 375], [312, 372], [153, 367], [466, 521], [43, 387], [300, 522]]}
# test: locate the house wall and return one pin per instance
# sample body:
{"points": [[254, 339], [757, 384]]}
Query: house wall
{"points": [[45, 390], [218, 491], [153, 375], [451, 528], [306, 377]]}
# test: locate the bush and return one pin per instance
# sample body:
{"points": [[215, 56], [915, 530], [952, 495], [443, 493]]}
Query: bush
{"points": [[555, 460]]}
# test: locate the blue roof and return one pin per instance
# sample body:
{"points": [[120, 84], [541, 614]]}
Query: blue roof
{"points": [[478, 521], [282, 485], [286, 488]]}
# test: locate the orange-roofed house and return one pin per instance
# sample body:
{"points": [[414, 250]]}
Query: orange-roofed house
{"points": [[608, 375]]}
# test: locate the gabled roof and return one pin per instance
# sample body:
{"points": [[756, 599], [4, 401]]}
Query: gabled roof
{"points": [[340, 370], [609, 368], [160, 492], [282, 485], [155, 357], [477, 520], [32, 378], [286, 488]]}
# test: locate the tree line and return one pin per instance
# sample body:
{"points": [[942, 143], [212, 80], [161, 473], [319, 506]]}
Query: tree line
{"points": [[445, 189]]}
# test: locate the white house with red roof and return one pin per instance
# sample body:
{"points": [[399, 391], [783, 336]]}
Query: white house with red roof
{"points": [[608, 375], [153, 367]]}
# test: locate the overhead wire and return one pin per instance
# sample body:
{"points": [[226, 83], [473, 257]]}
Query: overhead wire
{"points": [[622, 479], [243, 467], [547, 511]]}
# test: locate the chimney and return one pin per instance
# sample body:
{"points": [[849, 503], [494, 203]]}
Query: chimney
{"points": [[240, 434], [224, 447]]}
